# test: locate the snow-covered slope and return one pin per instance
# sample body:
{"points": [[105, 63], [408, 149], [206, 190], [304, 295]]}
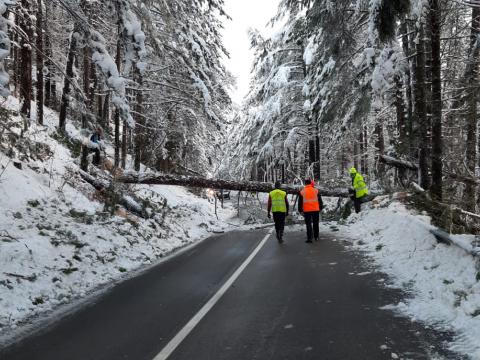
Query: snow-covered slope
{"points": [[443, 281], [57, 241]]}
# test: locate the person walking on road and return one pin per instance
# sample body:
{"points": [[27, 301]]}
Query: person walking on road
{"points": [[310, 204], [359, 189], [278, 205]]}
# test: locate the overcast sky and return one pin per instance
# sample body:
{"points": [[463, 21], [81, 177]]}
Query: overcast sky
{"points": [[245, 14]]}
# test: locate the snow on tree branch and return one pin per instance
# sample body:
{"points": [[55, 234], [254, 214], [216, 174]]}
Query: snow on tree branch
{"points": [[4, 46], [133, 35], [105, 63]]}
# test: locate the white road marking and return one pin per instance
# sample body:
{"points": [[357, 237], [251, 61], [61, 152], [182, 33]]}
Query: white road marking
{"points": [[187, 329]]}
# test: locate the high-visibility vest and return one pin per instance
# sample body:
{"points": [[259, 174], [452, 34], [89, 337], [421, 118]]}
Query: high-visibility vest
{"points": [[359, 186], [278, 201], [310, 199]]}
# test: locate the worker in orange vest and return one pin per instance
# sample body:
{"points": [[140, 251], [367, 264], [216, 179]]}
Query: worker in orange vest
{"points": [[310, 204]]}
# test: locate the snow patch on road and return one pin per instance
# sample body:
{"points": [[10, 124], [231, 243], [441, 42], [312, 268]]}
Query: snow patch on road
{"points": [[442, 281]]}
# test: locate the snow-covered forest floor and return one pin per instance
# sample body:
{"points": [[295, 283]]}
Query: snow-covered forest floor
{"points": [[58, 243], [442, 282]]}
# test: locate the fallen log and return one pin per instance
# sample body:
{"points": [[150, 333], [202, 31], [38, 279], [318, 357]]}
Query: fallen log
{"points": [[398, 163], [102, 185], [464, 179], [445, 238], [199, 182]]}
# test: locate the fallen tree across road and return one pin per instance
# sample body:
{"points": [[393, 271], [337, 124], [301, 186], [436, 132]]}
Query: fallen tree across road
{"points": [[199, 182]]}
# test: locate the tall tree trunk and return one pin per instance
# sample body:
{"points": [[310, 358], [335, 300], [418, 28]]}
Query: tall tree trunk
{"points": [[355, 153], [380, 146], [437, 137], [402, 126], [408, 129], [68, 77], [471, 115], [362, 151], [140, 128], [86, 85], [124, 144], [413, 124], [16, 59], [365, 150], [48, 62], [317, 154], [118, 61], [106, 113], [421, 111], [40, 62], [26, 60]]}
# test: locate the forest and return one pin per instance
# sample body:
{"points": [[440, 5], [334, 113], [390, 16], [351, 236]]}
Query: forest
{"points": [[371, 84], [150, 74], [389, 87]]}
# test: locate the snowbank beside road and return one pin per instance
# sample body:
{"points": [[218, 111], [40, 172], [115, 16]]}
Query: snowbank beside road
{"points": [[443, 281], [58, 243]]}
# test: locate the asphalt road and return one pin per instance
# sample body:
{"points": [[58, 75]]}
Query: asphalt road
{"points": [[293, 301]]}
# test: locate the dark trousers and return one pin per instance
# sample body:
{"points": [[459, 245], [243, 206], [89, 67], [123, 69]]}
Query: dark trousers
{"points": [[357, 203], [279, 219], [311, 220], [96, 157]]}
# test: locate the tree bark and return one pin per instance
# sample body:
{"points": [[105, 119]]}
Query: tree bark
{"points": [[402, 143], [199, 182], [117, 112], [86, 85], [408, 88], [48, 63], [421, 111], [398, 163], [40, 61], [140, 128], [471, 115], [26, 60], [437, 137], [124, 144], [66, 82]]}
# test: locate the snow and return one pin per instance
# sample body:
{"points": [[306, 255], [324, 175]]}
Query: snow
{"points": [[4, 46], [105, 63], [58, 244], [310, 50], [441, 281]]}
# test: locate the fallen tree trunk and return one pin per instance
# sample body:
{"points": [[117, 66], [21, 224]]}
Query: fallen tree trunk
{"points": [[402, 164], [103, 185], [445, 238], [464, 179], [199, 182]]}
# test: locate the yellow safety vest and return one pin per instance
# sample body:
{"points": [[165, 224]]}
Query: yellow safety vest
{"points": [[359, 186], [278, 201]]}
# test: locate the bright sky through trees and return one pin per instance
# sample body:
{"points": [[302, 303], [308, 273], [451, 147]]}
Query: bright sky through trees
{"points": [[245, 14]]}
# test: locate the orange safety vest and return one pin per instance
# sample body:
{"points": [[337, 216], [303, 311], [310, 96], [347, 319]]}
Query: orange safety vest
{"points": [[310, 199]]}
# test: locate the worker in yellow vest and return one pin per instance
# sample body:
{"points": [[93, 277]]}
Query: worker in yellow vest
{"points": [[359, 189], [310, 204], [278, 205]]}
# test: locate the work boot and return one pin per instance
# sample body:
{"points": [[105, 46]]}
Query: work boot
{"points": [[308, 241]]}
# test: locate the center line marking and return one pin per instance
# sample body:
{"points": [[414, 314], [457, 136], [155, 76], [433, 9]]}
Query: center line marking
{"points": [[187, 329]]}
